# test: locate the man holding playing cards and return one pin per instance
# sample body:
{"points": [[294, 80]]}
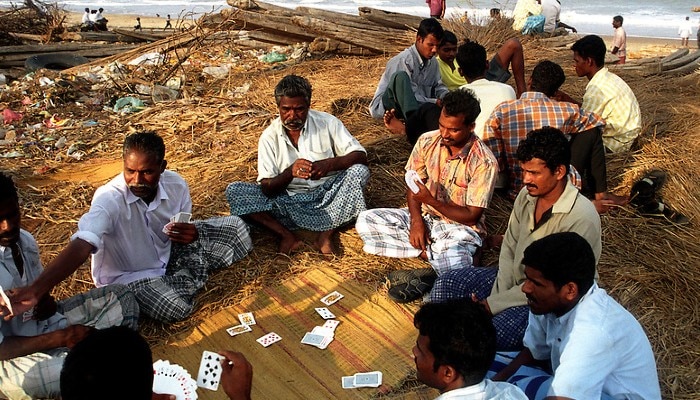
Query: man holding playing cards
{"points": [[311, 172], [444, 219], [33, 343], [129, 233]]}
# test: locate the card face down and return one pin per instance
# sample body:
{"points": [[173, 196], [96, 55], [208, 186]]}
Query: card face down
{"points": [[209, 371]]}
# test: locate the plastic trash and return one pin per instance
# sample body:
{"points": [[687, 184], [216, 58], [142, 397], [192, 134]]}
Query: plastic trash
{"points": [[273, 57], [162, 94], [44, 81], [217, 72], [174, 83], [128, 105], [3, 79], [89, 123], [148, 59], [60, 143], [10, 116]]}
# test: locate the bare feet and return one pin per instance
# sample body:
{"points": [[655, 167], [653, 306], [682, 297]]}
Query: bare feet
{"points": [[324, 243], [605, 200], [288, 244], [393, 124]]}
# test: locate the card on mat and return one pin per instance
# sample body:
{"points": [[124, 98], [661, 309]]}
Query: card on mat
{"points": [[269, 339], [238, 329], [348, 382], [331, 298], [247, 318], [320, 330], [313, 339], [368, 379], [325, 313], [209, 371], [331, 323]]}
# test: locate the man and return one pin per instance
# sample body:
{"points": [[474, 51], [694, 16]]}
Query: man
{"points": [[126, 369], [33, 343], [125, 231], [684, 31], [311, 172], [596, 348], [456, 345], [437, 8], [412, 77], [619, 44], [527, 16], [551, 9], [511, 121], [446, 52], [167, 23], [548, 203], [444, 218], [607, 95]]}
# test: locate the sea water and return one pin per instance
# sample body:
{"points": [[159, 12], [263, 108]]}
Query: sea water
{"points": [[647, 18]]}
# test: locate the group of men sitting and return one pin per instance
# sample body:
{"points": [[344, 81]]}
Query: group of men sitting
{"points": [[311, 175]]}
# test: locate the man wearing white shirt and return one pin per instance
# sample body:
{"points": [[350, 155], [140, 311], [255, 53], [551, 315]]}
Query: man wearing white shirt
{"points": [[125, 231], [684, 31]]}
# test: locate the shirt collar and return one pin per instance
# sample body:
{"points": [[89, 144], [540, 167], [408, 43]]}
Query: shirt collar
{"points": [[417, 56], [565, 202], [131, 198], [533, 95], [564, 318]]}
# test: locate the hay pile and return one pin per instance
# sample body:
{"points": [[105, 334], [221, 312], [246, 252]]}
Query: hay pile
{"points": [[211, 136]]}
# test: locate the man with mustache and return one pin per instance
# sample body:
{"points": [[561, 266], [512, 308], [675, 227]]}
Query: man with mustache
{"points": [[444, 220], [125, 231], [311, 173], [547, 203], [34, 343]]}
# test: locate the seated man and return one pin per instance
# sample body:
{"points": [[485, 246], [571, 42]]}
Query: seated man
{"points": [[412, 77], [446, 52], [444, 218], [596, 348], [126, 369], [456, 345], [511, 121], [34, 343], [527, 17], [551, 9], [607, 95], [125, 232], [311, 172], [547, 203]]}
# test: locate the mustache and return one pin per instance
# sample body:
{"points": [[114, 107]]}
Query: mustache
{"points": [[294, 122], [531, 186], [139, 186]]}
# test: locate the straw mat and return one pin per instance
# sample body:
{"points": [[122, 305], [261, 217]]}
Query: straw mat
{"points": [[374, 334]]}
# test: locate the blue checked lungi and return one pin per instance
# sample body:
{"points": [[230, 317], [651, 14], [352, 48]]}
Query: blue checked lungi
{"points": [[169, 298], [338, 201]]}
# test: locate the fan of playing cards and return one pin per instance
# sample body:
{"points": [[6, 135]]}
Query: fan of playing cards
{"points": [[173, 379]]}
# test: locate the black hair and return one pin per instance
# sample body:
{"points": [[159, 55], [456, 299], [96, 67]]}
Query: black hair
{"points": [[110, 364], [430, 26], [618, 18], [562, 258], [547, 77], [146, 142], [549, 145], [591, 46], [8, 191], [461, 101], [461, 335], [471, 58], [293, 86], [448, 37]]}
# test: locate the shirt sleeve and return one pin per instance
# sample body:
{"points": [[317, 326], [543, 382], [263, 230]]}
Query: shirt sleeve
{"points": [[416, 161], [344, 142], [494, 138], [482, 180], [535, 339], [267, 148], [97, 222]]}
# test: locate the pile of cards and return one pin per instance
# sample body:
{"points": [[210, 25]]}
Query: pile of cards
{"points": [[173, 379], [181, 217], [246, 319], [362, 379], [209, 370], [321, 336]]}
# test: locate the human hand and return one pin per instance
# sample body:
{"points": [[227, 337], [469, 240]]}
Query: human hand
{"points": [[302, 168], [418, 234], [236, 375], [483, 302], [182, 232], [73, 334], [22, 299], [45, 308], [163, 396], [423, 196], [321, 168]]}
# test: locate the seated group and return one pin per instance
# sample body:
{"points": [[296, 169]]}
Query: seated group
{"points": [[311, 175]]}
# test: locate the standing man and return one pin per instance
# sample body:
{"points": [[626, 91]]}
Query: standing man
{"points": [[619, 40], [34, 342], [437, 8], [311, 172], [444, 218], [684, 31], [548, 203], [595, 347], [132, 242], [607, 95], [167, 23]]}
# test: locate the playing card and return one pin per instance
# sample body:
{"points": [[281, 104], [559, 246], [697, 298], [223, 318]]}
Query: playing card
{"points": [[173, 379], [331, 323], [209, 371], [331, 298], [325, 313], [247, 318], [320, 330], [182, 217], [411, 178], [168, 227], [348, 382], [313, 339], [6, 300], [368, 379], [269, 339], [238, 329]]}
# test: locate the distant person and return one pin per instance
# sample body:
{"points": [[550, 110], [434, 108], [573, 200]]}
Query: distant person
{"points": [[167, 23], [527, 16], [455, 347], [495, 14], [698, 36], [137, 27], [100, 20], [437, 8], [595, 348], [86, 16], [93, 16], [684, 31], [551, 9], [449, 73], [619, 42]]}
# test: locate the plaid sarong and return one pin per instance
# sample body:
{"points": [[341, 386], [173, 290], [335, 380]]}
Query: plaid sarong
{"points": [[169, 298], [338, 201]]}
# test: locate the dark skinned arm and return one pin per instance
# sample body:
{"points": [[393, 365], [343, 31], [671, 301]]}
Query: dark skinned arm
{"points": [[18, 346], [467, 215]]}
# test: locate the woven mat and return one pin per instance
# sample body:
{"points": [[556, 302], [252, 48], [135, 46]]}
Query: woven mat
{"points": [[375, 333]]}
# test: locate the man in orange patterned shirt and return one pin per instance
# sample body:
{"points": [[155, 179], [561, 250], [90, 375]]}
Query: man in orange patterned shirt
{"points": [[444, 218]]}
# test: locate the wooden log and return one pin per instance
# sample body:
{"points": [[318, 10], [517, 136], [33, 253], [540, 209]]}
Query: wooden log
{"points": [[27, 36], [109, 37], [280, 25], [350, 20], [676, 54], [49, 48], [684, 69], [679, 62], [327, 45], [390, 19], [357, 37], [144, 37], [17, 60]]}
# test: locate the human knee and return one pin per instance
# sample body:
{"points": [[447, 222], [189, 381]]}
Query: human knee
{"points": [[359, 172]]}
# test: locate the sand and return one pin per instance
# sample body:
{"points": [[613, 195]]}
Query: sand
{"points": [[128, 21]]}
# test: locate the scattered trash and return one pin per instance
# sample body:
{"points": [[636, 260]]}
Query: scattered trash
{"points": [[241, 90], [55, 122], [162, 94], [12, 154], [148, 59], [3, 79], [90, 122], [74, 152], [128, 104], [174, 83], [10, 116], [44, 81], [61, 143], [273, 57], [217, 72]]}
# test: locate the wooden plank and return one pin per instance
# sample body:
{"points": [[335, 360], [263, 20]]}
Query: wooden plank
{"points": [[277, 24], [679, 62], [357, 37], [390, 19]]}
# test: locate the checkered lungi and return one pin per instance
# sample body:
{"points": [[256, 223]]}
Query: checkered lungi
{"points": [[169, 298], [38, 375], [385, 232], [338, 201], [510, 323]]}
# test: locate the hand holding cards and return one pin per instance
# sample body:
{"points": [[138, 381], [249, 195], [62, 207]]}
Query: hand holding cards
{"points": [[411, 178], [6, 300], [209, 370], [181, 217], [174, 380]]}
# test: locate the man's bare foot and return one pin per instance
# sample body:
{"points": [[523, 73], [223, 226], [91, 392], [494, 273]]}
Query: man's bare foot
{"points": [[324, 244], [393, 124], [289, 244]]}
